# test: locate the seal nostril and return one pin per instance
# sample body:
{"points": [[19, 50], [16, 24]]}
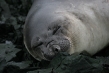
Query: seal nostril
{"points": [[56, 50]]}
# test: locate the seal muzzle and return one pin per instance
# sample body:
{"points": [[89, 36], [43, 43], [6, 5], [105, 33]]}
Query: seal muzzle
{"points": [[51, 46]]}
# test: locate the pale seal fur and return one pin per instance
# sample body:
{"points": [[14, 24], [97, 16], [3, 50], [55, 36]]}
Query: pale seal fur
{"points": [[72, 26]]}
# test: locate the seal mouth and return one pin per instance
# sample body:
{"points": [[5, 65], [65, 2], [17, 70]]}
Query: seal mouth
{"points": [[52, 51]]}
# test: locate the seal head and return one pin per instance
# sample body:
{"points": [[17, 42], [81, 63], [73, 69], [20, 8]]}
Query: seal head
{"points": [[47, 48], [47, 34], [51, 41]]}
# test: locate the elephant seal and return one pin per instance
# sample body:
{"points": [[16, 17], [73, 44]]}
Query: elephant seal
{"points": [[69, 26]]}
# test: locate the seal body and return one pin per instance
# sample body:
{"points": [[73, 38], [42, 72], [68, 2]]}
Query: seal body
{"points": [[71, 26]]}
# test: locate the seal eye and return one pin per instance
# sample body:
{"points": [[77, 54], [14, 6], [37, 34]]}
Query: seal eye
{"points": [[36, 42], [39, 44], [56, 29]]}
